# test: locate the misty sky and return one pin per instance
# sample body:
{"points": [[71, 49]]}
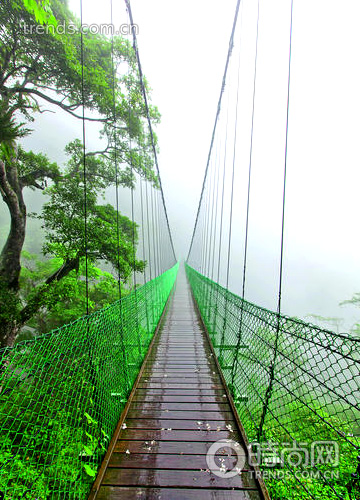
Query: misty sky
{"points": [[183, 48]]}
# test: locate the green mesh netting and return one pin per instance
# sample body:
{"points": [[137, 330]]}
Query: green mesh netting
{"points": [[295, 386], [62, 395]]}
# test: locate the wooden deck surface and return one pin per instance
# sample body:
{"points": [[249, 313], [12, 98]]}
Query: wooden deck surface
{"points": [[178, 408]]}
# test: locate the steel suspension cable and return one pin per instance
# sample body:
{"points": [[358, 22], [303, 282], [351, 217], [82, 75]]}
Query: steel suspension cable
{"points": [[248, 198], [203, 235], [207, 213], [141, 78], [225, 318], [285, 165], [233, 170], [222, 197], [142, 227], [210, 295], [272, 366], [161, 238], [84, 159], [144, 248], [221, 213], [216, 208], [155, 253], [250, 156], [132, 176], [157, 226], [231, 43], [115, 158], [148, 230], [208, 257], [133, 180]]}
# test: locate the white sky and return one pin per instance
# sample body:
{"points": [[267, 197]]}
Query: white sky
{"points": [[183, 46]]}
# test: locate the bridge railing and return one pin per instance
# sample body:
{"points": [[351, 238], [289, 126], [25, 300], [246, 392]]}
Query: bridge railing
{"points": [[297, 391], [62, 394]]}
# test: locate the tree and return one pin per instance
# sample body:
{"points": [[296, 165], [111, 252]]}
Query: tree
{"points": [[47, 68], [333, 323], [354, 301], [103, 290]]}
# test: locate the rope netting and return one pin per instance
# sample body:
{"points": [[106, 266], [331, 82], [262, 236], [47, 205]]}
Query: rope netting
{"points": [[296, 389], [63, 393]]}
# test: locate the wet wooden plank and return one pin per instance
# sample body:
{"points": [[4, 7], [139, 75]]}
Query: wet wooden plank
{"points": [[185, 379], [178, 385], [181, 406], [169, 434], [194, 343], [181, 391], [142, 423], [190, 359], [179, 414], [178, 363], [168, 447], [129, 493], [163, 461], [184, 367], [179, 370], [169, 478], [178, 398]]}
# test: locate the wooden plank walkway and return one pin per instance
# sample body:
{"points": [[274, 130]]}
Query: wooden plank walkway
{"points": [[177, 409]]}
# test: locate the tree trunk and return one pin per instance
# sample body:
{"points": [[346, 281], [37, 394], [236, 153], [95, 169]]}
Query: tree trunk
{"points": [[10, 266], [8, 333], [11, 191]]}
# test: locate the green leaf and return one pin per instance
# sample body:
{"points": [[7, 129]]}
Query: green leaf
{"points": [[88, 450], [89, 436], [89, 419], [89, 471]]}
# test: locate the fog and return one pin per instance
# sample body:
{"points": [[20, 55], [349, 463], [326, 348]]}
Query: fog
{"points": [[183, 47], [183, 53]]}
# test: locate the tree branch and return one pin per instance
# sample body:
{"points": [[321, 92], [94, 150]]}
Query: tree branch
{"points": [[49, 99], [37, 301]]}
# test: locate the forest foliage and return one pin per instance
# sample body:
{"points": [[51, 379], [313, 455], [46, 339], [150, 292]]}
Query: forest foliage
{"points": [[73, 73]]}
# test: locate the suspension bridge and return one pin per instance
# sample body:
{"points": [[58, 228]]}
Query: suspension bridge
{"points": [[182, 389]]}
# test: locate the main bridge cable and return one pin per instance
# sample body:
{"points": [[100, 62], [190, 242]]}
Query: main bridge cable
{"points": [[141, 78], [272, 366], [231, 44]]}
